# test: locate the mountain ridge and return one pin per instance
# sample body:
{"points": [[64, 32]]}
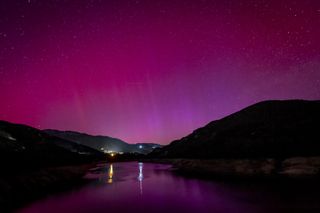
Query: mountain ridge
{"points": [[104, 143], [272, 128], [24, 145]]}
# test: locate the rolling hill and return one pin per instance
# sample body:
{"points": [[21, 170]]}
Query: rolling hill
{"points": [[103, 143], [30, 147], [276, 129]]}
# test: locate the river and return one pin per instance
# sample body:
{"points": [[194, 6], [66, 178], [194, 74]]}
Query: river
{"points": [[148, 187]]}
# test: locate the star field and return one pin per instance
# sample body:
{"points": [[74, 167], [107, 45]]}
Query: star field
{"points": [[152, 71]]}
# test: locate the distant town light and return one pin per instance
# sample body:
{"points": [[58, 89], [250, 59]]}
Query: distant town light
{"points": [[140, 146]]}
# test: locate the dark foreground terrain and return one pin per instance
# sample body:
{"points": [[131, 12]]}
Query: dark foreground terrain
{"points": [[35, 164], [20, 189]]}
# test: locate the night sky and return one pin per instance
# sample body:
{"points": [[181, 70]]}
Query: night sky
{"points": [[152, 71]]}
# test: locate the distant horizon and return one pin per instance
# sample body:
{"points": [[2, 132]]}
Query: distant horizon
{"points": [[119, 138], [152, 70]]}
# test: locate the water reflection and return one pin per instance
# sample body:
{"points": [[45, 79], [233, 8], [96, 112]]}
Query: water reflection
{"points": [[140, 176], [110, 174], [165, 191]]}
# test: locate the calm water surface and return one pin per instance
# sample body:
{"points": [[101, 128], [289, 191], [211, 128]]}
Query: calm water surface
{"points": [[147, 187]]}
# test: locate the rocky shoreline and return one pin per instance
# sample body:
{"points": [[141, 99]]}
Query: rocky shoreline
{"points": [[294, 168], [297, 167]]}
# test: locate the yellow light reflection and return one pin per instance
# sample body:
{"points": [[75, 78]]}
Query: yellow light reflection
{"points": [[110, 174]]}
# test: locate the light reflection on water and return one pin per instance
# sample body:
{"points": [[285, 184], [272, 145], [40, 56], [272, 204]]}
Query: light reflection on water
{"points": [[140, 176], [110, 174], [146, 187]]}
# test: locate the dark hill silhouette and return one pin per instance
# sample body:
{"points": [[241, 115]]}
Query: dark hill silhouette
{"points": [[35, 164], [104, 143], [29, 147], [266, 129]]}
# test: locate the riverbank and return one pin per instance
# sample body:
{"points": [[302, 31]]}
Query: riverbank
{"points": [[20, 189], [294, 168]]}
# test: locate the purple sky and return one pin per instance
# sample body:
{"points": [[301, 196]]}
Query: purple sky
{"points": [[152, 71]]}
